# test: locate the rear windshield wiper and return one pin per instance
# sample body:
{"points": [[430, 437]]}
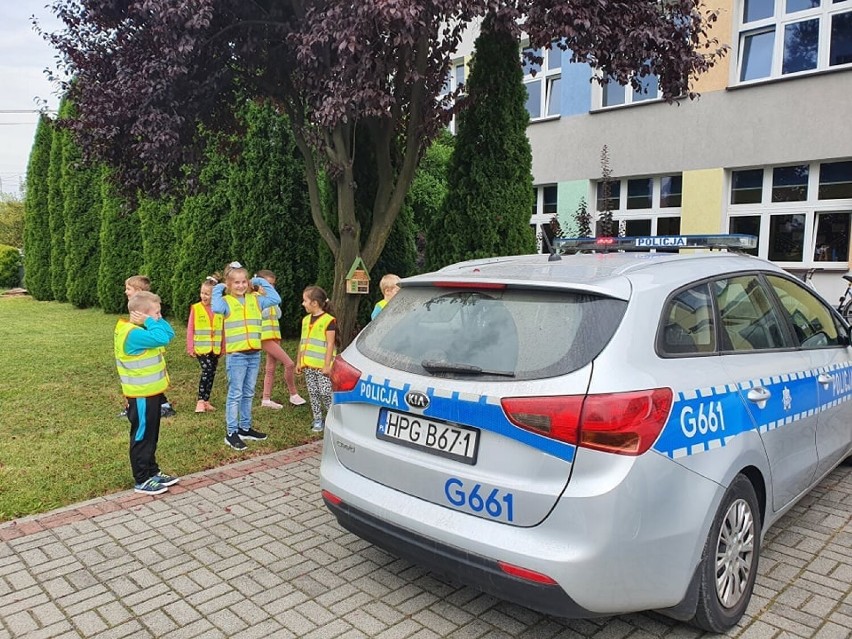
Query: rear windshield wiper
{"points": [[436, 366]]}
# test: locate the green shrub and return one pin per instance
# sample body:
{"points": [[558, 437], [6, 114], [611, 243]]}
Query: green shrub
{"points": [[10, 266], [489, 189]]}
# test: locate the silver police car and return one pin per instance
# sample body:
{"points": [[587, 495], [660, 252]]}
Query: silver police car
{"points": [[591, 434]]}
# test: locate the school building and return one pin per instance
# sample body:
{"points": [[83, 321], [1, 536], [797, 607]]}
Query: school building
{"points": [[766, 149]]}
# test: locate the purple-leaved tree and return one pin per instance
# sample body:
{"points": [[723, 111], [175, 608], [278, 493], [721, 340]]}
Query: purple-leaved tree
{"points": [[148, 74]]}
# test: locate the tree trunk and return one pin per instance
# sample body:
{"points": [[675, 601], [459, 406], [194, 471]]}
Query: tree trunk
{"points": [[344, 305]]}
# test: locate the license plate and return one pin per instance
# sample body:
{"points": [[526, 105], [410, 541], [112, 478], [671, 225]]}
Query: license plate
{"points": [[439, 438]]}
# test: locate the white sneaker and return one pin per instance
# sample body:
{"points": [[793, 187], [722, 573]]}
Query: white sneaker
{"points": [[268, 403], [297, 400]]}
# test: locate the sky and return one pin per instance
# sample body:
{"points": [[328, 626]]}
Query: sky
{"points": [[23, 85]]}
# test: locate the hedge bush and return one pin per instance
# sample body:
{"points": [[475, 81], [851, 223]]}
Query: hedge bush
{"points": [[10, 266]]}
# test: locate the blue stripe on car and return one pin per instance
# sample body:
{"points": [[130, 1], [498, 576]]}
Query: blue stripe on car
{"points": [[478, 411], [701, 419], [707, 418]]}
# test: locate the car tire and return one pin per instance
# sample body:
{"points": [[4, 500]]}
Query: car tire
{"points": [[729, 561]]}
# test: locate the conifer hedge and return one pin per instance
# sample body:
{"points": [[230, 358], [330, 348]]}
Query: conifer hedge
{"points": [[158, 246], [37, 238], [202, 238], [487, 208], [121, 248], [81, 191], [56, 211]]}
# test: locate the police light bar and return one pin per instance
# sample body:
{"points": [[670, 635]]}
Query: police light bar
{"points": [[733, 242]]}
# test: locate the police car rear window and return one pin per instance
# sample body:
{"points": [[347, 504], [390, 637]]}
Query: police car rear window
{"points": [[500, 334]]}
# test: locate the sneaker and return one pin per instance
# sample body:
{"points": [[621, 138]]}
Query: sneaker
{"points": [[123, 413], [150, 487], [252, 434], [166, 410], [233, 440], [166, 480], [209, 407], [268, 403], [297, 400], [200, 406], [318, 426]]}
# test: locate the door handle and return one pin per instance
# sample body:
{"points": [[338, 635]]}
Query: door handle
{"points": [[759, 395], [825, 379]]}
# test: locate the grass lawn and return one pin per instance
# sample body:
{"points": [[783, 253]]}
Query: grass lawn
{"points": [[61, 440]]}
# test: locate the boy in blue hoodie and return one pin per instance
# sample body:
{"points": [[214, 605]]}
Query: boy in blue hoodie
{"points": [[138, 347]]}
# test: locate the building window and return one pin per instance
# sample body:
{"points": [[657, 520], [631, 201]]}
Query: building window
{"points": [[790, 183], [801, 214], [639, 193], [671, 191], [778, 38], [747, 186], [543, 211], [459, 76], [455, 80], [835, 180], [608, 201], [543, 81], [614, 94], [650, 205]]}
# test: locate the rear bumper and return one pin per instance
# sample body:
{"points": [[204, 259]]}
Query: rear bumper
{"points": [[473, 570]]}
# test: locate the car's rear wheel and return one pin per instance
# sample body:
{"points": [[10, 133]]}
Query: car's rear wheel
{"points": [[729, 562]]}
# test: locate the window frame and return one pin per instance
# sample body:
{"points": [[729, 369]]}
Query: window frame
{"points": [[777, 24], [621, 214], [451, 83], [631, 97], [811, 207], [547, 77], [541, 216]]}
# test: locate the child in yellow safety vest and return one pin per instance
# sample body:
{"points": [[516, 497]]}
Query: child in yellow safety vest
{"points": [[132, 285], [241, 308], [204, 341], [271, 339], [317, 351], [138, 348]]}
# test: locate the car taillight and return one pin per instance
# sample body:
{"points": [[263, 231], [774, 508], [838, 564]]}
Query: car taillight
{"points": [[623, 423], [344, 376], [331, 498], [526, 574], [555, 417]]}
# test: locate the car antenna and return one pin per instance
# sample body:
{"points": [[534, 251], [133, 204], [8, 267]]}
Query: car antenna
{"points": [[554, 256]]}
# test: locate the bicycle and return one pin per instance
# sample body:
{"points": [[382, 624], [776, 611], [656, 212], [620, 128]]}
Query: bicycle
{"points": [[844, 307]]}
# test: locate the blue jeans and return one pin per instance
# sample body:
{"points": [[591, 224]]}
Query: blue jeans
{"points": [[242, 369]]}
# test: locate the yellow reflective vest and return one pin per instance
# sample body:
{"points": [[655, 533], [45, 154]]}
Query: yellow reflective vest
{"points": [[242, 325], [312, 346], [142, 375], [271, 326], [206, 335]]}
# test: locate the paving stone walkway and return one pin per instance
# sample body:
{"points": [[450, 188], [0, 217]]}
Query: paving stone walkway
{"points": [[249, 551]]}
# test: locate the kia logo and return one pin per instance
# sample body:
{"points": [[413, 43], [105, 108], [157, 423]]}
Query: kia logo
{"points": [[416, 399]]}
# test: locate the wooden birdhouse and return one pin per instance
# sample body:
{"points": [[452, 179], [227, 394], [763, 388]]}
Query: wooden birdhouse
{"points": [[358, 279]]}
